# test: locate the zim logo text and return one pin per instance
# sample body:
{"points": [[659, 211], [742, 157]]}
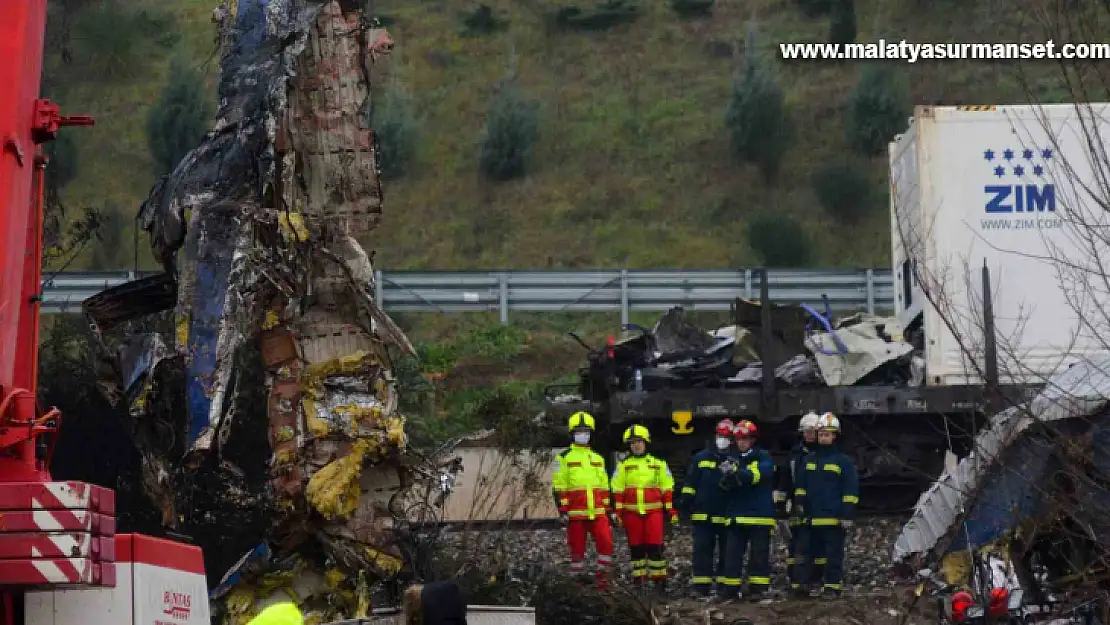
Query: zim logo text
{"points": [[1019, 187]]}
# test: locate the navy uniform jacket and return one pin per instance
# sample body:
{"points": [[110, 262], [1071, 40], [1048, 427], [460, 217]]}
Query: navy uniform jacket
{"points": [[827, 487], [784, 475], [751, 487], [702, 497]]}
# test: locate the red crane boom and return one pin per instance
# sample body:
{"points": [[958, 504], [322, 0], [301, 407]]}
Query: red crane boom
{"points": [[52, 533]]}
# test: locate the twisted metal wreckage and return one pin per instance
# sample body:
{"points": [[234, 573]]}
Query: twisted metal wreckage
{"points": [[257, 231], [1032, 501]]}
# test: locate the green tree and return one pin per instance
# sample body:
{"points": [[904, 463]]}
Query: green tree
{"points": [[61, 168], [877, 109], [398, 132], [842, 24], [512, 129], [814, 8], [757, 121], [843, 190], [180, 118], [779, 240], [108, 243]]}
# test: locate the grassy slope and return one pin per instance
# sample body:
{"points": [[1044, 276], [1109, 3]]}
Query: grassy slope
{"points": [[115, 168], [632, 168]]}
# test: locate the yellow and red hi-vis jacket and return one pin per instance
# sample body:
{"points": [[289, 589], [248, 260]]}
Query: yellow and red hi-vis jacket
{"points": [[580, 483], [642, 484]]}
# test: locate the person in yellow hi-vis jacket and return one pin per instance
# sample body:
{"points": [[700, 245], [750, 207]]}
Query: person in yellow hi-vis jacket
{"points": [[283, 613], [581, 489], [643, 489]]}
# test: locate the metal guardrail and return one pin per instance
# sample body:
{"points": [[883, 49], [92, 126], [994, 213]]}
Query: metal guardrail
{"points": [[566, 291]]}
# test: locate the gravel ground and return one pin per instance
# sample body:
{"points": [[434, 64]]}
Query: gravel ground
{"points": [[526, 554]]}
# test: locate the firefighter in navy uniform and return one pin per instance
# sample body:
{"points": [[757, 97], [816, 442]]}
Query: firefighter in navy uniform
{"points": [[751, 512], [643, 491], [826, 493], [703, 503], [580, 486], [784, 494]]}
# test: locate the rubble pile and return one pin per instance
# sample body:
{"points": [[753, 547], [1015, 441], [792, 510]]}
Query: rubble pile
{"points": [[565, 600], [812, 350], [258, 229], [521, 560]]}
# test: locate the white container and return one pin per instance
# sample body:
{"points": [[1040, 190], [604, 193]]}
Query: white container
{"points": [[1014, 188]]}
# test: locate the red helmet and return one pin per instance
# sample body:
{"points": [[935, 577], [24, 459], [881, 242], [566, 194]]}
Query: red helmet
{"points": [[724, 427], [745, 429]]}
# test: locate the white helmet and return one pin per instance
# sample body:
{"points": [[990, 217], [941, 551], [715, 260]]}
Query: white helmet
{"points": [[808, 422], [828, 421]]}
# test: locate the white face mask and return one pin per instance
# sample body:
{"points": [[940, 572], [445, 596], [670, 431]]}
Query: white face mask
{"points": [[723, 443], [581, 437]]}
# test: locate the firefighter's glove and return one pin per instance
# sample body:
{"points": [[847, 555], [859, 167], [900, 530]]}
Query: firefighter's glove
{"points": [[674, 519], [847, 524], [564, 519]]}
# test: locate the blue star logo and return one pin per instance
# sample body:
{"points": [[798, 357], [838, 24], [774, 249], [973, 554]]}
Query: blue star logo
{"points": [[1027, 154], [1038, 170], [999, 171], [1046, 153], [1008, 154], [989, 155], [1019, 171]]}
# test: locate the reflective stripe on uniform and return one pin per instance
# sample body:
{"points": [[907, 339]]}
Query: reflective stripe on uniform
{"points": [[759, 581], [835, 468], [756, 475], [689, 490], [849, 499], [707, 464], [826, 522], [754, 520], [799, 492], [729, 581]]}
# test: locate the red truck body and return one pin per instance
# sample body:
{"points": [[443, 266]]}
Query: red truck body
{"points": [[55, 537]]}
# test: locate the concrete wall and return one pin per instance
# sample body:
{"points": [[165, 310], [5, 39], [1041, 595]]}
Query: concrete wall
{"points": [[493, 488]]}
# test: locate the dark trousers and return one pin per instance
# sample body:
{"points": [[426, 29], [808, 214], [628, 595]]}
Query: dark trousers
{"points": [[823, 545], [793, 548], [709, 538], [740, 537]]}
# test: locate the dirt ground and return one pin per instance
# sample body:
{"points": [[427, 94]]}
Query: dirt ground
{"points": [[888, 607]]}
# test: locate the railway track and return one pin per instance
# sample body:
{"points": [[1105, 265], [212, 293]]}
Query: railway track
{"points": [[523, 525]]}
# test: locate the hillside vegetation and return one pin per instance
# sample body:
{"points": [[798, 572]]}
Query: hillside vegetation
{"points": [[631, 165], [513, 137]]}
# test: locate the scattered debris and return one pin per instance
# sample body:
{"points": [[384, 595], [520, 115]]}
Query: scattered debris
{"points": [[1026, 512], [861, 349]]}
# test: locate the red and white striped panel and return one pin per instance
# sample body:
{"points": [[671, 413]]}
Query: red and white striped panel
{"points": [[57, 496], [57, 545], [57, 571], [75, 521]]}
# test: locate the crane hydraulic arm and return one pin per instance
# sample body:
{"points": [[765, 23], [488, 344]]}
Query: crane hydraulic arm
{"points": [[54, 533], [26, 121]]}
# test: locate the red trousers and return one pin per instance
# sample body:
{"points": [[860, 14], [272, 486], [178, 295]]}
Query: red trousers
{"points": [[645, 544], [577, 529]]}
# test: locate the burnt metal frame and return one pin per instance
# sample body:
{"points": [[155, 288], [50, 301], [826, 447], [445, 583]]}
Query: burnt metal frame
{"points": [[771, 404]]}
